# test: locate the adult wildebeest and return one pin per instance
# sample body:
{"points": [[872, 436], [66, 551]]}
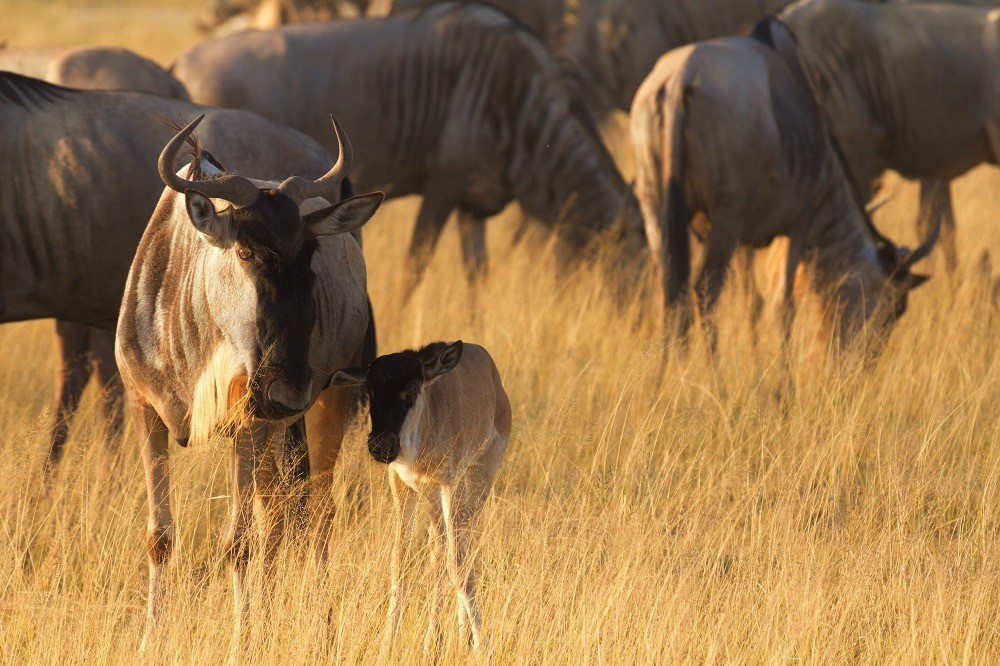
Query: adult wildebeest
{"points": [[915, 88], [615, 43], [456, 102], [83, 184], [243, 299], [92, 67], [441, 422], [86, 351], [546, 18], [728, 141]]}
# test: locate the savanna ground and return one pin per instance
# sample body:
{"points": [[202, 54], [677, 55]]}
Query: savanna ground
{"points": [[701, 515]]}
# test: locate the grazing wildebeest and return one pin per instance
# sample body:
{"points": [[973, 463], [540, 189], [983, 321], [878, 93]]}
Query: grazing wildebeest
{"points": [[729, 142], [915, 88], [473, 112], [86, 351], [80, 188], [243, 299], [615, 43], [441, 421]]}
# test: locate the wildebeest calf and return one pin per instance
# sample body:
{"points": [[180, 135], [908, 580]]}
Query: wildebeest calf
{"points": [[441, 421]]}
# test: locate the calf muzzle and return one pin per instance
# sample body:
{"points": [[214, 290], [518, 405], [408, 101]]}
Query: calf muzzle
{"points": [[384, 448]]}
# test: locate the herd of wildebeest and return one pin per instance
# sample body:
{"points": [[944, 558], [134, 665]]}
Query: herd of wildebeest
{"points": [[238, 293]]}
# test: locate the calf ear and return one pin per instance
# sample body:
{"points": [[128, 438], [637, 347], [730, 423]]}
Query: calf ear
{"points": [[344, 217], [445, 361], [349, 377], [216, 229]]}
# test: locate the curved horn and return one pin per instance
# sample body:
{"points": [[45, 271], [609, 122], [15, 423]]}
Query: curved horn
{"points": [[237, 190], [299, 189], [925, 247]]}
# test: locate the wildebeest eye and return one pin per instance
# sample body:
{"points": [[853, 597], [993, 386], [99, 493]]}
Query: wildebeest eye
{"points": [[244, 253]]}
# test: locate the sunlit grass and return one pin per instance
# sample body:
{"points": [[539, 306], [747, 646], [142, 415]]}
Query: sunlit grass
{"points": [[698, 514]]}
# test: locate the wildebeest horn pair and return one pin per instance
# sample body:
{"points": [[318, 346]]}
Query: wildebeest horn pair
{"points": [[910, 257], [240, 191]]}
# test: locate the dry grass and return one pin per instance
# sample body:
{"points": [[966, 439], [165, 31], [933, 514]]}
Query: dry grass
{"points": [[690, 517]]}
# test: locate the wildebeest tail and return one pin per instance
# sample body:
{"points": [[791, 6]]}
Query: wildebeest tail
{"points": [[658, 120], [676, 215]]}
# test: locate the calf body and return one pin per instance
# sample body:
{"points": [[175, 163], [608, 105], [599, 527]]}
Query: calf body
{"points": [[441, 421]]}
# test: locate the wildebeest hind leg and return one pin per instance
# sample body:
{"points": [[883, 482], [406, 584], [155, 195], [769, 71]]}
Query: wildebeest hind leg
{"points": [[711, 281], [472, 230], [437, 205], [74, 373], [102, 344]]}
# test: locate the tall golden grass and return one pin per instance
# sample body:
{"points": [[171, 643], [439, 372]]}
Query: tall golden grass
{"points": [[705, 514]]}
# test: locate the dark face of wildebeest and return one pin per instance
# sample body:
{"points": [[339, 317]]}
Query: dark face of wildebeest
{"points": [[394, 383], [259, 279]]}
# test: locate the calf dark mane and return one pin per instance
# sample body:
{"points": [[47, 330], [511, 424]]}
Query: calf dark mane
{"points": [[29, 93]]}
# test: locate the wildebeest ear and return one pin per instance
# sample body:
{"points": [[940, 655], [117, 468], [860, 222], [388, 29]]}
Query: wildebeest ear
{"points": [[346, 216], [349, 377], [445, 361], [216, 229], [914, 280]]}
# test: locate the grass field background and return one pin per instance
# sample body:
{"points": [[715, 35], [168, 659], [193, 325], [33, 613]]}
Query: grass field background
{"points": [[701, 515]]}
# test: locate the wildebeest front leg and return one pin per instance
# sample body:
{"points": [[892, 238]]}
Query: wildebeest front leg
{"points": [[327, 423], [247, 450], [405, 502], [935, 204], [272, 491], [439, 200], [152, 435], [472, 230]]}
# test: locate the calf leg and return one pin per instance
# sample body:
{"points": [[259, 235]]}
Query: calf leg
{"points": [[74, 373], [152, 435], [459, 510], [472, 230], [405, 501], [935, 205], [438, 204], [439, 571]]}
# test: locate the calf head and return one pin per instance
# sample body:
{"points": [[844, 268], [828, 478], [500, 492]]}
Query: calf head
{"points": [[394, 383], [259, 281]]}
